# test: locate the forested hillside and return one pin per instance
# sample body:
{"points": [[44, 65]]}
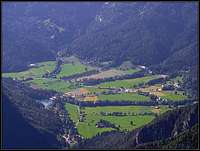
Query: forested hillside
{"points": [[29, 137], [187, 139], [145, 33], [36, 31], [21, 112]]}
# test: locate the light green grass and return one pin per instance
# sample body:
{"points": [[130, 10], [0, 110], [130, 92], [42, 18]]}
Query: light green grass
{"points": [[73, 112], [95, 89], [130, 71], [88, 128], [35, 72], [51, 84], [127, 83], [174, 97], [72, 69], [123, 96]]}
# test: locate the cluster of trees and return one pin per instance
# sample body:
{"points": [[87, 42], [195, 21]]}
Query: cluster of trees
{"points": [[86, 73], [55, 71], [155, 81], [150, 102], [98, 81], [105, 124], [125, 113]]}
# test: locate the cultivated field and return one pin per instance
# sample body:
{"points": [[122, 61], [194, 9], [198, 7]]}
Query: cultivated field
{"points": [[130, 83], [109, 73], [34, 72], [72, 69], [169, 95], [123, 97], [88, 128], [51, 84], [86, 118]]}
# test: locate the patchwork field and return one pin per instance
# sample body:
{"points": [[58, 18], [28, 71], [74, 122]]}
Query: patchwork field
{"points": [[110, 73], [170, 95], [92, 115], [86, 119]]}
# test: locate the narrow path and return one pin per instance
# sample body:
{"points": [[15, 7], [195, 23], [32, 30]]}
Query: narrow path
{"points": [[78, 108]]}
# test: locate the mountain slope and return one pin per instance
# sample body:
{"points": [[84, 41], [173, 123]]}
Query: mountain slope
{"points": [[186, 140], [36, 31], [26, 123], [146, 33], [18, 133]]}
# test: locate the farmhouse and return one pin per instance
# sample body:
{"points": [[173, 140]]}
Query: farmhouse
{"points": [[53, 98], [32, 65], [150, 72], [176, 85], [163, 76], [141, 67]]}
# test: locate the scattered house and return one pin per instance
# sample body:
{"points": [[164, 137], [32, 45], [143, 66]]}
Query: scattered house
{"points": [[164, 100], [141, 67], [73, 96], [159, 89], [126, 90], [53, 98], [156, 107], [27, 79], [176, 85], [163, 76], [32, 65], [120, 89], [158, 99], [168, 87], [150, 71]]}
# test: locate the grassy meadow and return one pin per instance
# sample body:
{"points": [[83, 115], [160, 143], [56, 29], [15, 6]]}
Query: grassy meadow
{"points": [[123, 96], [88, 128], [130, 83], [34, 72]]}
